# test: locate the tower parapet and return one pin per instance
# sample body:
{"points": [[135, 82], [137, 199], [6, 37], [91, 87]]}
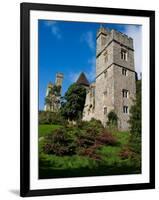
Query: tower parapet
{"points": [[122, 38], [59, 79]]}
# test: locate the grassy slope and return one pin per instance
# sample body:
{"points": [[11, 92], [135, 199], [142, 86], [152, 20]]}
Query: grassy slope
{"points": [[45, 129], [71, 166], [110, 154]]}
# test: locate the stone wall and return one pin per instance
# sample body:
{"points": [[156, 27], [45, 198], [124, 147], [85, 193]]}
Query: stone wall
{"points": [[127, 83], [89, 108], [101, 64], [104, 97], [110, 81], [129, 63]]}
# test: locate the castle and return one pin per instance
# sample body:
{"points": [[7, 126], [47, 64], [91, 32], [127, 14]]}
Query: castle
{"points": [[114, 88], [53, 94]]}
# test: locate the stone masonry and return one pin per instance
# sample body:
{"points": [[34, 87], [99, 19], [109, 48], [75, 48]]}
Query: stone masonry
{"points": [[114, 88]]}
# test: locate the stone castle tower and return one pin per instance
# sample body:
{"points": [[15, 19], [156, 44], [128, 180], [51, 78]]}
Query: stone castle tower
{"points": [[59, 79], [114, 88], [53, 94]]}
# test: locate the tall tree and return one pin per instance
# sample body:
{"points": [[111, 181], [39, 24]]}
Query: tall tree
{"points": [[135, 120], [73, 102]]}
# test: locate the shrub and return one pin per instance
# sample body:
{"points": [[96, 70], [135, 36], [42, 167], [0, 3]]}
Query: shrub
{"points": [[73, 140], [59, 143], [125, 153], [58, 149], [112, 119], [91, 153], [106, 138], [46, 117], [94, 126], [85, 141], [87, 137]]}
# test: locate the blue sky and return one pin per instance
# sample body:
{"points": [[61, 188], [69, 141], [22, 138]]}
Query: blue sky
{"points": [[70, 48]]}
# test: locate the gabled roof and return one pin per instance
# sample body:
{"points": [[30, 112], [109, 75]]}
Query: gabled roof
{"points": [[82, 80]]}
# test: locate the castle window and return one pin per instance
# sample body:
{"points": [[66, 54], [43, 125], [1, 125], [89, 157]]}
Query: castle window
{"points": [[124, 54], [105, 110], [124, 72], [125, 93], [125, 109]]}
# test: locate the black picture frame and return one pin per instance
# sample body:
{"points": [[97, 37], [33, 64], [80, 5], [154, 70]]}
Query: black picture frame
{"points": [[25, 9]]}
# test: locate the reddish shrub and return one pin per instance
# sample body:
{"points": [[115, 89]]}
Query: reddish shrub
{"points": [[86, 140], [106, 138], [90, 152], [59, 149], [48, 148], [125, 153]]}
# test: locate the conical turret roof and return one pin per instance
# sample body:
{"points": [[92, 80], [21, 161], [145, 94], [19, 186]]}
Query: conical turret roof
{"points": [[82, 80]]}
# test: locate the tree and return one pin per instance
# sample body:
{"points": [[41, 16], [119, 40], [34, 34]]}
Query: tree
{"points": [[53, 98], [135, 121], [52, 101], [56, 90], [73, 102], [112, 119]]}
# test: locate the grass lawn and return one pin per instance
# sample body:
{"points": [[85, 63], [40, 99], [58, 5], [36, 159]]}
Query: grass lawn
{"points": [[45, 129], [52, 166], [122, 136]]}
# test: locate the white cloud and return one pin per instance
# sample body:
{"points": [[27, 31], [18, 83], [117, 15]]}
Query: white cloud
{"points": [[135, 32], [89, 40], [53, 25]]}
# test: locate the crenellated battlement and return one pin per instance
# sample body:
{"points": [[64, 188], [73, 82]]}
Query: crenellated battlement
{"points": [[122, 38], [106, 36]]}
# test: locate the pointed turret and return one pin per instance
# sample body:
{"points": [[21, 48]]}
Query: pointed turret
{"points": [[82, 80]]}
